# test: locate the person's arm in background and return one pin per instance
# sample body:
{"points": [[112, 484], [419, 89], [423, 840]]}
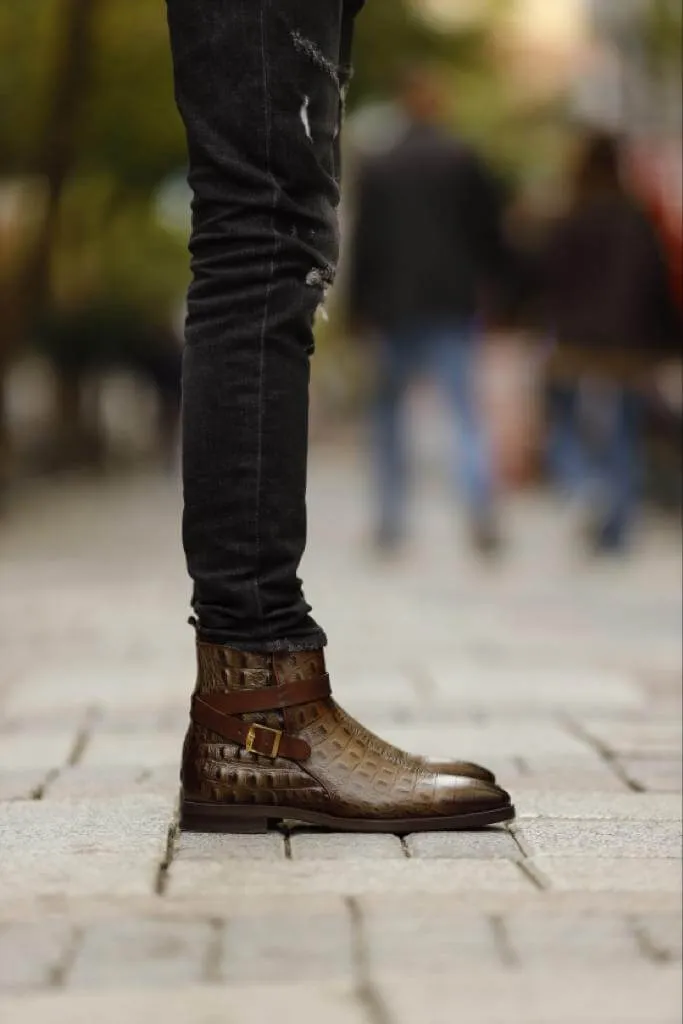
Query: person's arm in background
{"points": [[665, 310], [666, 318], [496, 266]]}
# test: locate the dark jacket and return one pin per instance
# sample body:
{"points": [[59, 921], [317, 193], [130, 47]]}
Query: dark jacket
{"points": [[608, 288], [427, 243]]}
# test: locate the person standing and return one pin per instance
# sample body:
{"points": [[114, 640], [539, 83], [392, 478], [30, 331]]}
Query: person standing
{"points": [[612, 314], [427, 262], [260, 87]]}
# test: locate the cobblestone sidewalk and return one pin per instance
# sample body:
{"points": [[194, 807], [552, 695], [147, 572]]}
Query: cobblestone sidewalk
{"points": [[562, 674]]}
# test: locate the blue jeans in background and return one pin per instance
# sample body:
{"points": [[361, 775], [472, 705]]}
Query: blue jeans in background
{"points": [[595, 453], [449, 355]]}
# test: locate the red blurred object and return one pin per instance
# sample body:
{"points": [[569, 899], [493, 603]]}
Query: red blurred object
{"points": [[658, 177]]}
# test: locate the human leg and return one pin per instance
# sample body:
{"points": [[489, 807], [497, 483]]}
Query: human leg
{"points": [[621, 470], [266, 740], [455, 355], [567, 457], [259, 90], [394, 373]]}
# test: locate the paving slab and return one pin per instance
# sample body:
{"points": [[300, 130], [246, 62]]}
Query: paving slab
{"points": [[197, 880], [425, 934], [307, 940], [86, 782], [45, 722], [233, 1004], [610, 874], [195, 846], [32, 953], [660, 738], [169, 718], [141, 953], [59, 878], [81, 848], [23, 785], [377, 686], [663, 934], [119, 826], [34, 751], [343, 846], [599, 805], [72, 687], [586, 774], [589, 838], [146, 751], [647, 995], [535, 686], [657, 775], [491, 844], [477, 742], [552, 937]]}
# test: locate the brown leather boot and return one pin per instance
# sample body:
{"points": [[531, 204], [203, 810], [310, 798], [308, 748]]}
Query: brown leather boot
{"points": [[267, 743]]}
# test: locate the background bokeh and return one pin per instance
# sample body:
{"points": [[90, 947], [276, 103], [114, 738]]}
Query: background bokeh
{"points": [[94, 209], [559, 670]]}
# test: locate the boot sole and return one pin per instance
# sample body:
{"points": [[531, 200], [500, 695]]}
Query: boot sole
{"points": [[203, 817]]}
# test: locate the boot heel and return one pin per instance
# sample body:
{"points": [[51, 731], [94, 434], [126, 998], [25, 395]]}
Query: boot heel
{"points": [[205, 818]]}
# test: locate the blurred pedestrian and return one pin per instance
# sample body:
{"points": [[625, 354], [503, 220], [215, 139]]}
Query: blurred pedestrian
{"points": [[426, 259], [261, 89], [613, 318]]}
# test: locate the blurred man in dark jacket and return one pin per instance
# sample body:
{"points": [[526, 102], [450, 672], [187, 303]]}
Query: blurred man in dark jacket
{"points": [[426, 262]]}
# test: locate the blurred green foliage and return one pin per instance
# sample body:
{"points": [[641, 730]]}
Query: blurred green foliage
{"points": [[519, 139], [129, 129], [109, 241], [391, 35], [129, 137], [663, 33], [25, 38], [107, 244]]}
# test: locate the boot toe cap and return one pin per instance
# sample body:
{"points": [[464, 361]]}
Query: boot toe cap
{"points": [[462, 768], [462, 794]]}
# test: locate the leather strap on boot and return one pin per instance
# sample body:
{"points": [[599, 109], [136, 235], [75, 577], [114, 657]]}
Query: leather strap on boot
{"points": [[217, 711]]}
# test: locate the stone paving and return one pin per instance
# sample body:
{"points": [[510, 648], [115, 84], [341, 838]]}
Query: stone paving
{"points": [[562, 674]]}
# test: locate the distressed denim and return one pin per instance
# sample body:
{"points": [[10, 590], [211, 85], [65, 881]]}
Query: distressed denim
{"points": [[260, 87]]}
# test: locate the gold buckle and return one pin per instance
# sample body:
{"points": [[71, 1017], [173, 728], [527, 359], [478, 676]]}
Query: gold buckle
{"points": [[251, 739]]}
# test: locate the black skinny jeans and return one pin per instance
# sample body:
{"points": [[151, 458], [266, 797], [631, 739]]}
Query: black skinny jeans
{"points": [[260, 86]]}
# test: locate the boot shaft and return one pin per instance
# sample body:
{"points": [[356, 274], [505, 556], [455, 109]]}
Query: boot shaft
{"points": [[208, 759], [224, 670]]}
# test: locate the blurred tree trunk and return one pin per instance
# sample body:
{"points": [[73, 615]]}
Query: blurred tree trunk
{"points": [[27, 296]]}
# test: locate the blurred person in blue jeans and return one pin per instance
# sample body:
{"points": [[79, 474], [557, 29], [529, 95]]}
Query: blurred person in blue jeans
{"points": [[427, 258], [612, 315]]}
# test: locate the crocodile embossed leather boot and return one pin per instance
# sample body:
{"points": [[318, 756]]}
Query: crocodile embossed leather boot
{"points": [[268, 743]]}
